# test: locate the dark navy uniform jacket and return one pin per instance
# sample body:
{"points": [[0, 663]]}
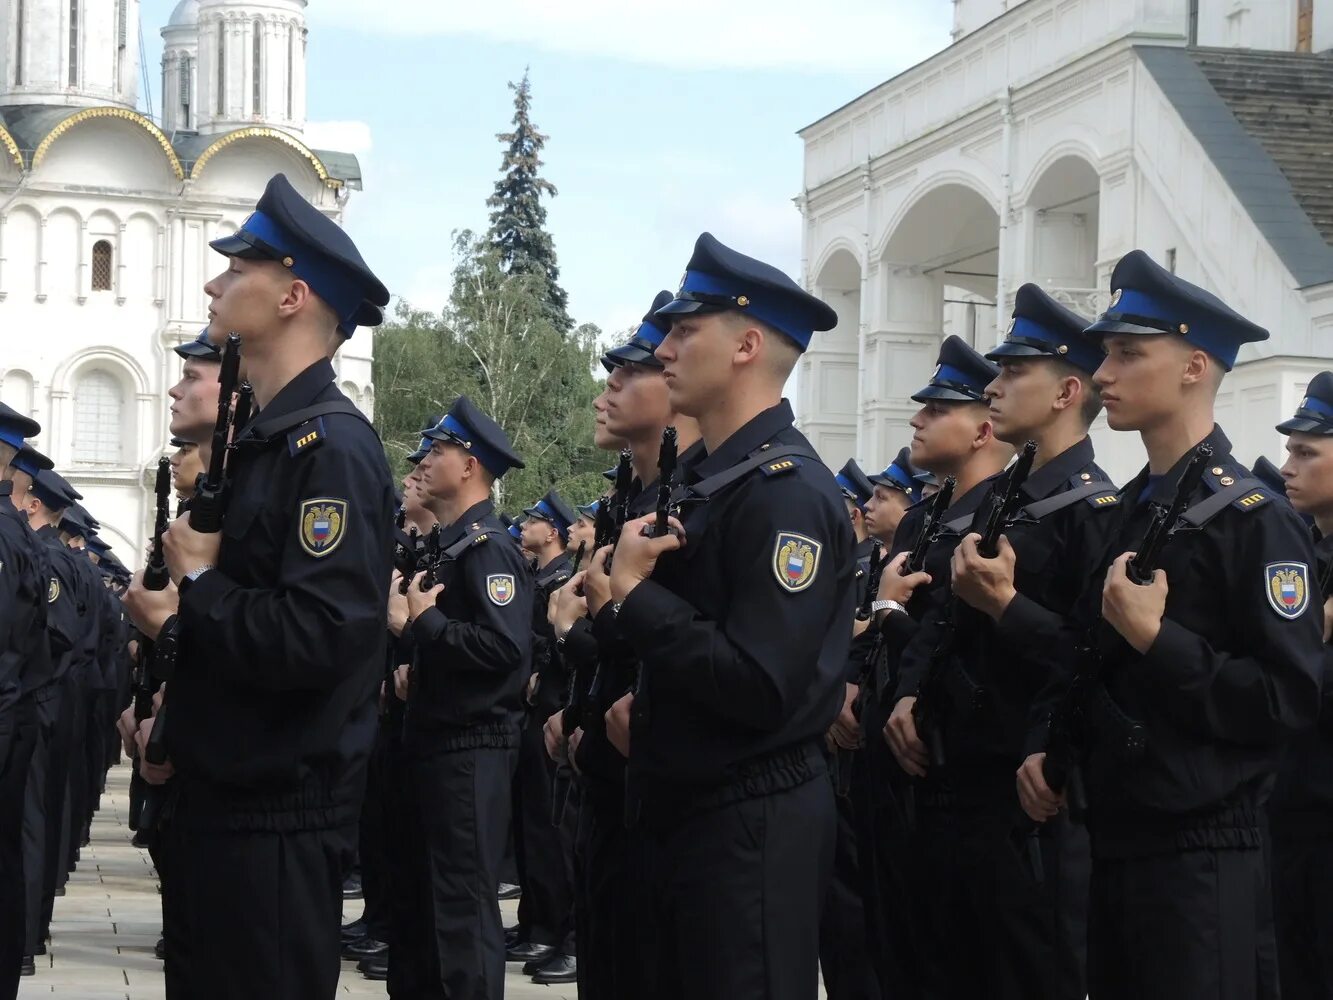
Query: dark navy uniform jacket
{"points": [[743, 634], [997, 697], [1232, 677], [273, 709], [24, 589], [1302, 802], [473, 649]]}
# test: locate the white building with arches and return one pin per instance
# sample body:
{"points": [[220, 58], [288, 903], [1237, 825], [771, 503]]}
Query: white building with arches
{"points": [[106, 216], [1049, 139]]}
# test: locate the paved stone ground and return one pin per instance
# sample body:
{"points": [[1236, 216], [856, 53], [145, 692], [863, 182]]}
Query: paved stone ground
{"points": [[106, 924]]}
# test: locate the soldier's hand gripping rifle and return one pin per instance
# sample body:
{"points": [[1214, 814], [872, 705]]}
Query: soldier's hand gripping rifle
{"points": [[842, 761], [915, 563], [619, 501], [1002, 513], [561, 780], [143, 803], [1061, 768], [208, 507], [431, 559], [666, 472]]}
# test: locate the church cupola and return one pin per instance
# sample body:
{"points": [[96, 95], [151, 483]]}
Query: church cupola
{"points": [[250, 65], [75, 53]]}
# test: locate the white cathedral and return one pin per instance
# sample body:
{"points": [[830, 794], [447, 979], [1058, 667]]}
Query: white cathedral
{"points": [[1050, 138], [106, 216]]}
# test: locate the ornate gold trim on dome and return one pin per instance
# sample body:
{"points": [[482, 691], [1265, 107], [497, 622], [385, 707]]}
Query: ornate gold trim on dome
{"points": [[265, 133], [11, 147], [123, 113]]}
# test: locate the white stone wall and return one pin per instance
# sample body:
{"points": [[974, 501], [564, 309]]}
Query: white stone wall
{"points": [[280, 27], [100, 66], [93, 366], [1035, 149], [1254, 24]]}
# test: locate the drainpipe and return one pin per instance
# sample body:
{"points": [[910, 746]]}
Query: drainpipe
{"points": [[863, 319], [1006, 206]]}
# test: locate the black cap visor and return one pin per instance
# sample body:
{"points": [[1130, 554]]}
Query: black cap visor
{"points": [[634, 352], [688, 303], [1111, 323], [246, 246], [1021, 349], [948, 394], [1306, 422]]}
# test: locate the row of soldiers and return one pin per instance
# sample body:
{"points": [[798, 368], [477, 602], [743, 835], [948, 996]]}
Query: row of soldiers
{"points": [[64, 671], [1029, 750]]}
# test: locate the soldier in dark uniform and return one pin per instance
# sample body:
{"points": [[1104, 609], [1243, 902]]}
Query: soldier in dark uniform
{"points": [[742, 634], [281, 623], [1207, 671], [24, 592], [895, 490], [1300, 813], [473, 639], [952, 437], [1006, 903], [66, 626], [385, 871], [583, 529], [545, 851], [635, 409], [844, 959]]}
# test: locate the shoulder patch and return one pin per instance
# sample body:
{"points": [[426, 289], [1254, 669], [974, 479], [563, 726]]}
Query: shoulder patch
{"points": [[309, 435], [53, 591], [1287, 585], [1104, 500], [780, 466], [795, 560], [323, 523], [500, 588], [1253, 500]]}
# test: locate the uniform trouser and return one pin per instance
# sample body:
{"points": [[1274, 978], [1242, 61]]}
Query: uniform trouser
{"points": [[736, 892], [612, 922], [373, 841], [546, 909], [1002, 905], [76, 792], [1303, 907], [447, 937], [258, 912], [18, 736], [57, 789], [880, 809], [36, 814], [100, 719], [844, 958], [1195, 925]]}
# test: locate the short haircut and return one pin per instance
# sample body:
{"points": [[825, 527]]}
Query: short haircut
{"points": [[1091, 404]]}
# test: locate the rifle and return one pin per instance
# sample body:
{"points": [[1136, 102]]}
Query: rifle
{"points": [[431, 558], [1002, 513], [915, 563], [143, 801], [1061, 768], [619, 502], [405, 558], [561, 781], [842, 761], [577, 561], [666, 469], [207, 509]]}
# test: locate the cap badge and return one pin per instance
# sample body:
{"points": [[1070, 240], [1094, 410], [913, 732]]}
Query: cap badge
{"points": [[1010, 328], [1115, 298]]}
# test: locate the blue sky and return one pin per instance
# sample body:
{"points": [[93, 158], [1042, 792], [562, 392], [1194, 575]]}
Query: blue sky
{"points": [[664, 120]]}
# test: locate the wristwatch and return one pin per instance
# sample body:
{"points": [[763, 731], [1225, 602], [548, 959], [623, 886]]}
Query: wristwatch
{"points": [[879, 606], [195, 574]]}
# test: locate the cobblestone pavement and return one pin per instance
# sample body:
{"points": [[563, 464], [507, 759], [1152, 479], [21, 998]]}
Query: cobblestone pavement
{"points": [[107, 922]]}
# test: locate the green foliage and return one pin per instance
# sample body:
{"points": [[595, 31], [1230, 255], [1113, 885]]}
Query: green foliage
{"points": [[496, 344], [518, 217]]}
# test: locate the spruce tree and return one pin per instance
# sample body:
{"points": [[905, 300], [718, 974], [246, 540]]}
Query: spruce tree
{"points": [[518, 217]]}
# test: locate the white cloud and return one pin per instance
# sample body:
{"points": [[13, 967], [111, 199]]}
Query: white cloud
{"points": [[839, 36]]}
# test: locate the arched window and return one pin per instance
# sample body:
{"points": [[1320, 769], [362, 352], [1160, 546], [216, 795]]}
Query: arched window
{"points": [[99, 411], [73, 43], [102, 266], [20, 23], [222, 67]]}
